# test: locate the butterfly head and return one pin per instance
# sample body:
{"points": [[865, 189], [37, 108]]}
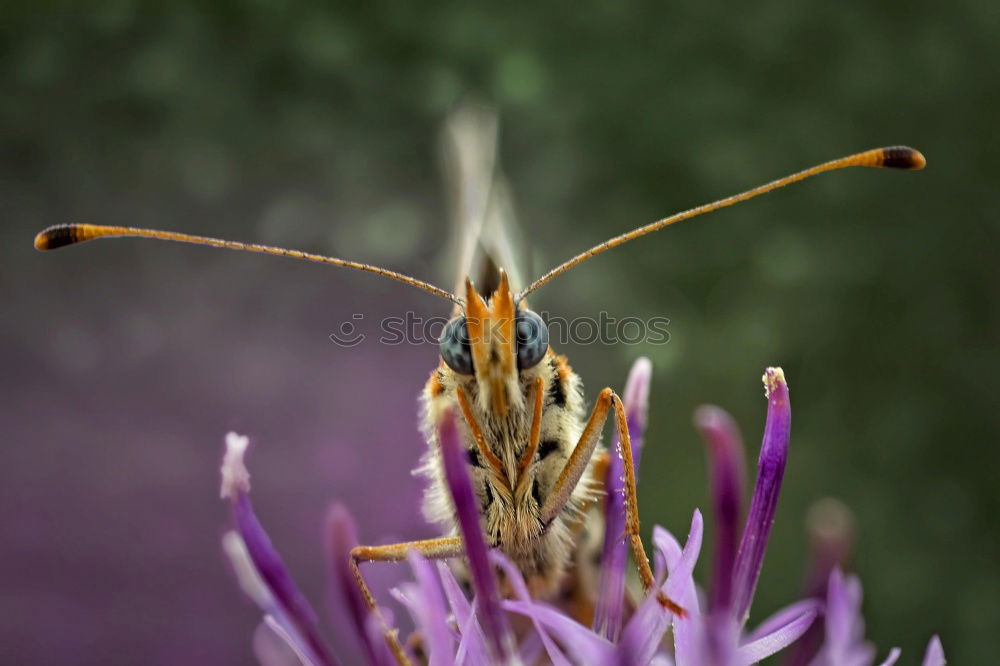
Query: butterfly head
{"points": [[491, 343]]}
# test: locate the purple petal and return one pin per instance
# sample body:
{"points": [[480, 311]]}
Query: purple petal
{"points": [[278, 630], [344, 592], [490, 615], [273, 646], [727, 470], [407, 595], [521, 592], [460, 606], [636, 396], [935, 653], [667, 553], [433, 615], [645, 630], [614, 557], [473, 644], [688, 631], [778, 639], [893, 657], [843, 613], [844, 641], [531, 649], [783, 617], [235, 477], [587, 647], [270, 566], [721, 635], [770, 470], [681, 578], [644, 633], [831, 538], [265, 558]]}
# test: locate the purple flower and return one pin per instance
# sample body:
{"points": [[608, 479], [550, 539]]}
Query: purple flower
{"points": [[715, 634], [457, 628], [289, 619], [831, 535], [770, 472], [727, 469], [344, 593], [845, 643]]}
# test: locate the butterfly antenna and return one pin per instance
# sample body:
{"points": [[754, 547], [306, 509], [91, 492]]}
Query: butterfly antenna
{"points": [[895, 157], [62, 235]]}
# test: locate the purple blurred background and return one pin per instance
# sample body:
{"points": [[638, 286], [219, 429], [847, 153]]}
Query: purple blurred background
{"points": [[111, 512]]}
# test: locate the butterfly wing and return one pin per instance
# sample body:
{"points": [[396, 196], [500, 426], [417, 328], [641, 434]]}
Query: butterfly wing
{"points": [[485, 236]]}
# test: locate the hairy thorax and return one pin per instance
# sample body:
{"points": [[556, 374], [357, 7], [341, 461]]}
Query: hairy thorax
{"points": [[510, 500]]}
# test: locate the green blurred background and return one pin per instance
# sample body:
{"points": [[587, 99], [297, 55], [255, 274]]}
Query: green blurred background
{"points": [[314, 126]]}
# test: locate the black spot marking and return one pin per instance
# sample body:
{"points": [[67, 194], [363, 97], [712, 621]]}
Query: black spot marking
{"points": [[489, 498], [536, 493], [558, 392], [474, 458], [547, 448]]}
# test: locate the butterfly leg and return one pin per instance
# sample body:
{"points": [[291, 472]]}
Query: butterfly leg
{"points": [[632, 511], [578, 460], [577, 465], [434, 549]]}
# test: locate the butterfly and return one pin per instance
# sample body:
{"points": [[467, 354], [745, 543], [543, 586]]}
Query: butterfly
{"points": [[533, 446]]}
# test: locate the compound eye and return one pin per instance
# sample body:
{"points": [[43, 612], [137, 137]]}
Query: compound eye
{"points": [[532, 339], [454, 346]]}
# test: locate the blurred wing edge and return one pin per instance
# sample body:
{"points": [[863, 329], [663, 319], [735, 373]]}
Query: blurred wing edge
{"points": [[485, 236]]}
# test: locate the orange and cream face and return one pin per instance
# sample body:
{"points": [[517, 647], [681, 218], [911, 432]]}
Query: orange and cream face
{"points": [[493, 341]]}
